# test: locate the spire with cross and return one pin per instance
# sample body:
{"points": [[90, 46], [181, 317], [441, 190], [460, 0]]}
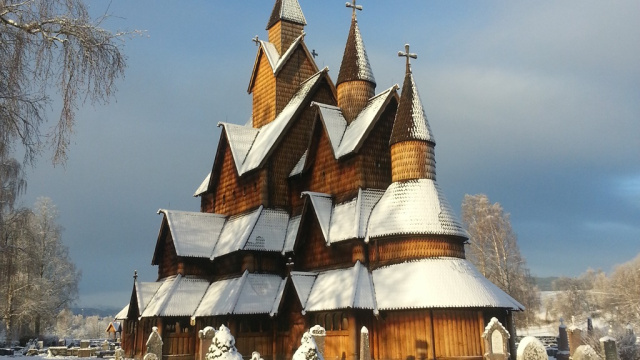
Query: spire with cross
{"points": [[256, 40], [408, 55], [354, 6]]}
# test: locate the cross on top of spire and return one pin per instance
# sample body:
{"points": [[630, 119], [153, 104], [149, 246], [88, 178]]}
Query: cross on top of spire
{"points": [[256, 40], [408, 55], [354, 6]]}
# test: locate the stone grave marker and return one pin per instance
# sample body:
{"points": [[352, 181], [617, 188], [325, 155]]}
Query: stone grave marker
{"points": [[154, 343], [119, 353], [206, 337], [84, 344], [319, 334], [496, 341], [105, 345], [150, 356], [530, 348], [563, 342], [365, 349], [585, 352], [609, 346], [575, 337]]}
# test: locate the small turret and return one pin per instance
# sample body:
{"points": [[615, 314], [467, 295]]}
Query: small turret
{"points": [[285, 24], [412, 144], [356, 84]]}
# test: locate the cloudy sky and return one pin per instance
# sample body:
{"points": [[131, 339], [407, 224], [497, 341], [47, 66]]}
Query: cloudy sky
{"points": [[536, 104]]}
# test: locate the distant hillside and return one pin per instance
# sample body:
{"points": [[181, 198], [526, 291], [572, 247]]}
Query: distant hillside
{"points": [[107, 312], [545, 283]]}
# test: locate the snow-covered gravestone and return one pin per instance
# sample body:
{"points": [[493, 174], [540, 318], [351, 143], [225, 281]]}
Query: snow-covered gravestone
{"points": [[119, 353], [256, 356], [530, 348], [585, 352], [154, 344], [496, 341], [575, 337], [223, 346], [206, 337], [365, 349], [563, 342], [308, 349], [319, 334], [609, 346]]}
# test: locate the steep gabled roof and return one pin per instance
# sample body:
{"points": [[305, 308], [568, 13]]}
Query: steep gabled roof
{"points": [[347, 220], [276, 61], [248, 294], [415, 207], [270, 135], [355, 63], [203, 186], [347, 139], [437, 283], [288, 10], [193, 233], [411, 120]]}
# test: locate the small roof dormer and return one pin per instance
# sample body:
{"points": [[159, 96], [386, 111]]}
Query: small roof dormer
{"points": [[285, 24], [356, 83]]}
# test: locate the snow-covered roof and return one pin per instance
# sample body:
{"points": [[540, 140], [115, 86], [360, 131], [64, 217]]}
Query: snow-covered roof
{"points": [[347, 139], [145, 291], [185, 297], [122, 314], [430, 283], [297, 170], [413, 207], [292, 233], [194, 233], [288, 10], [248, 294], [437, 283], [411, 120], [335, 289], [347, 220], [275, 60], [268, 136], [355, 63], [204, 186]]}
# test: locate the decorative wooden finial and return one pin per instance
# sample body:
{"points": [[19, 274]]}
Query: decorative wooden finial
{"points": [[256, 40], [408, 55], [354, 6], [314, 53]]}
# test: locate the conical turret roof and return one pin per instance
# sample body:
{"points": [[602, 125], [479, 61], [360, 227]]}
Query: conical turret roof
{"points": [[288, 10], [411, 121], [355, 63]]}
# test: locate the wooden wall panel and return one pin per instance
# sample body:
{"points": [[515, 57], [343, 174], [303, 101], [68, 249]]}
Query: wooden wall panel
{"points": [[294, 72], [399, 249], [458, 333], [264, 92]]}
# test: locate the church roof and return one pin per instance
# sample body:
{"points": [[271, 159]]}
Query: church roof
{"points": [[193, 233], [177, 296], [288, 10], [411, 120], [252, 156], [413, 207], [355, 63]]}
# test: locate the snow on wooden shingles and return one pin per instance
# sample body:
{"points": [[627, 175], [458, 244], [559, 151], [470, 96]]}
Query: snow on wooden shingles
{"points": [[194, 234], [343, 222], [413, 207], [367, 199], [290, 10], [204, 186], [297, 170], [270, 231], [341, 289], [334, 124], [235, 233], [156, 304], [220, 297], [322, 204], [185, 297], [364, 68], [303, 283], [122, 314], [240, 139], [437, 283], [145, 292], [292, 233]]}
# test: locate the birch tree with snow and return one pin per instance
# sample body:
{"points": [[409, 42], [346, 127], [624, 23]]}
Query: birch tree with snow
{"points": [[494, 250]]}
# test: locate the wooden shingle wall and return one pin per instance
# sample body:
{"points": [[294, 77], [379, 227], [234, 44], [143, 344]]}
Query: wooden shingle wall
{"points": [[296, 70], [413, 160], [264, 93], [397, 249], [283, 33], [353, 96]]}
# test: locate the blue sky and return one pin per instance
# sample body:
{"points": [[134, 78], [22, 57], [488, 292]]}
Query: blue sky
{"points": [[536, 104]]}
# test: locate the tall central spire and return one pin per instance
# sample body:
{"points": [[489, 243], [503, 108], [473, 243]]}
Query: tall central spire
{"points": [[285, 24], [356, 84]]}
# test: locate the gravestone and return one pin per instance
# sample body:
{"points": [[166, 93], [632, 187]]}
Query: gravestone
{"points": [[84, 352], [308, 349], [84, 344], [496, 341], [563, 342], [575, 337], [154, 343], [608, 344], [105, 345], [150, 356], [585, 352], [119, 353], [530, 348], [223, 346], [256, 356], [319, 334], [57, 351], [365, 350], [206, 336]]}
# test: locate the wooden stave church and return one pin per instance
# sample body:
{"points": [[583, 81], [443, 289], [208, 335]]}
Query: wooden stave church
{"points": [[324, 210]]}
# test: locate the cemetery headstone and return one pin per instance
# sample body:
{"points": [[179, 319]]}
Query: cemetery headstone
{"points": [[119, 353], [154, 343], [256, 356], [496, 340], [84, 352], [319, 334], [585, 352], [150, 356], [563, 342], [57, 351], [575, 337], [530, 348], [223, 346], [84, 344], [365, 350], [39, 344], [308, 349], [608, 344], [206, 336], [105, 345]]}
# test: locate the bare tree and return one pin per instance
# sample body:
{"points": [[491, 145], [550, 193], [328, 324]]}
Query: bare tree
{"points": [[619, 293], [494, 251], [47, 45]]}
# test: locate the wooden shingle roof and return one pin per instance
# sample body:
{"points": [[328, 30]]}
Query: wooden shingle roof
{"points": [[355, 63], [288, 10]]}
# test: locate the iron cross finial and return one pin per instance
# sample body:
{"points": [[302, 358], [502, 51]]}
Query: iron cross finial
{"points": [[408, 55], [314, 53], [135, 274], [256, 40], [354, 6]]}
